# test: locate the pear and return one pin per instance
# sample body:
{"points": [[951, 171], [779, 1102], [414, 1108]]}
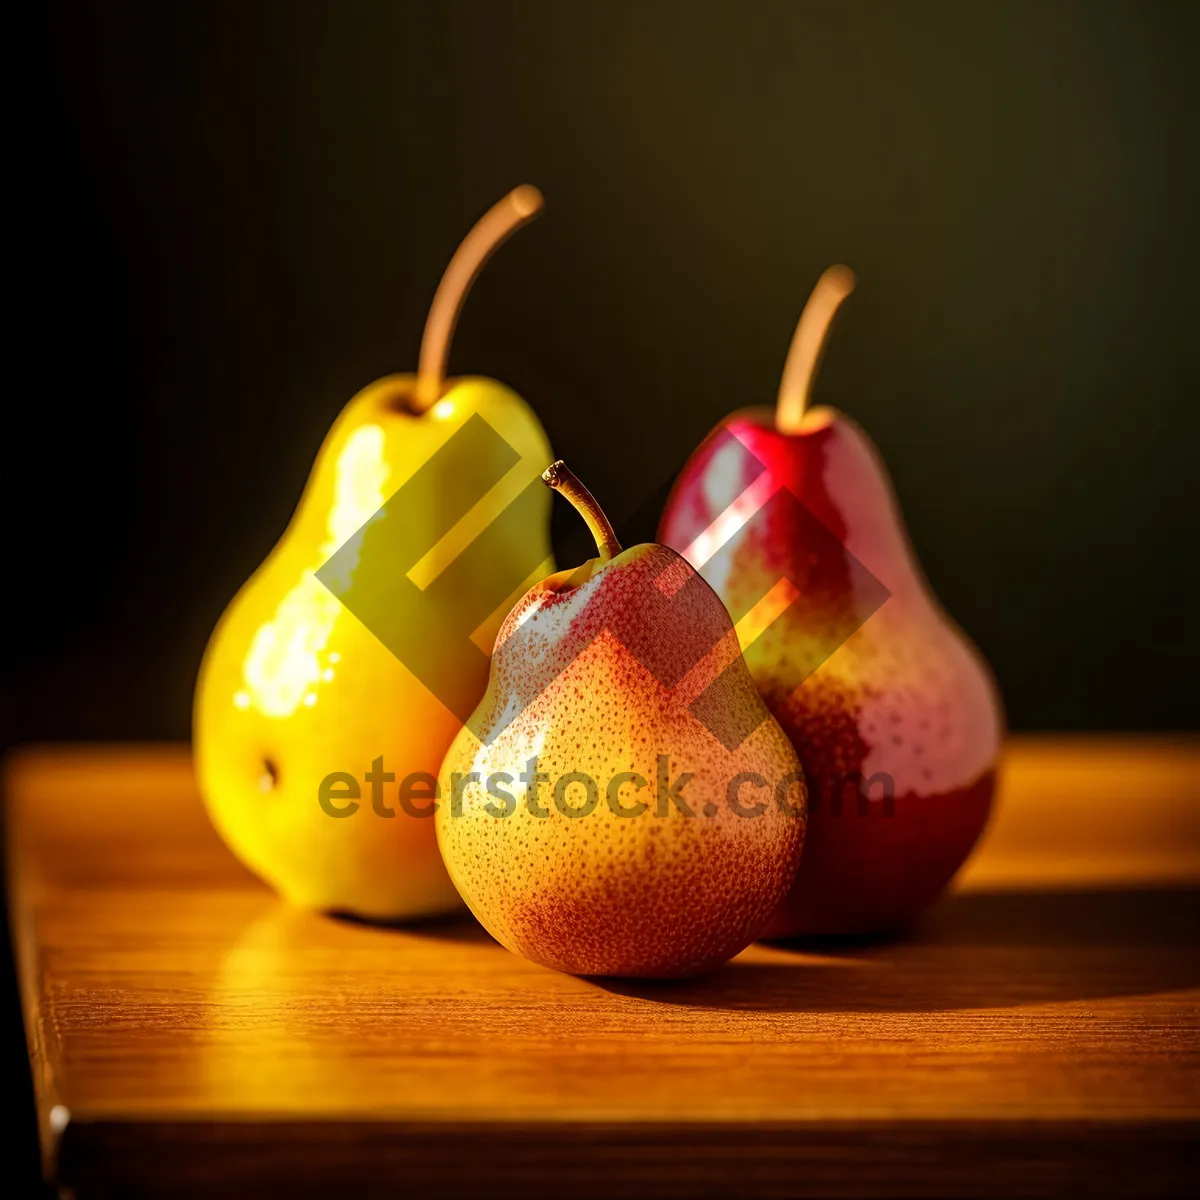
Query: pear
{"points": [[295, 689], [622, 803], [893, 712]]}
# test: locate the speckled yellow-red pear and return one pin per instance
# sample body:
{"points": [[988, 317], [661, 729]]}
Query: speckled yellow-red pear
{"points": [[622, 803]]}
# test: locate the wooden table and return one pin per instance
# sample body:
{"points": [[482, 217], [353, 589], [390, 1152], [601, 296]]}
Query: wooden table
{"points": [[1040, 1034]]}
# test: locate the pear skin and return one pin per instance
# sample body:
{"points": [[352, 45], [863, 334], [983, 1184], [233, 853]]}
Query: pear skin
{"points": [[591, 867], [893, 712], [293, 687]]}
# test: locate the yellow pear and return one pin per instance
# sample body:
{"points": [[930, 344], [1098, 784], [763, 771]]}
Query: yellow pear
{"points": [[307, 727]]}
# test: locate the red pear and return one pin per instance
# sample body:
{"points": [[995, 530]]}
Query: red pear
{"points": [[790, 516]]}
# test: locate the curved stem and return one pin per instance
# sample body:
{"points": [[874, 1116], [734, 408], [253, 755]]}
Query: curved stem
{"points": [[562, 479], [489, 233], [807, 343]]}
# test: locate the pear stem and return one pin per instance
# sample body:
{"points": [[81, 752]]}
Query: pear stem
{"points": [[563, 480], [489, 233], [808, 341]]}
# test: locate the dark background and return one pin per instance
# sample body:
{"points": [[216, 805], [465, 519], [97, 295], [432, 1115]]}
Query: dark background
{"points": [[225, 218]]}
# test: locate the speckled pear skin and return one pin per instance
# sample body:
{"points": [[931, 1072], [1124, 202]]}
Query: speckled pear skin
{"points": [[651, 895], [906, 696]]}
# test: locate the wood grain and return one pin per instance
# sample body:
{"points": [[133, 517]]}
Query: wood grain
{"points": [[1039, 1034]]}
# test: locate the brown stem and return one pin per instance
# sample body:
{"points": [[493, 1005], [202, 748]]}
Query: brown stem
{"points": [[490, 232], [562, 479], [807, 343]]}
